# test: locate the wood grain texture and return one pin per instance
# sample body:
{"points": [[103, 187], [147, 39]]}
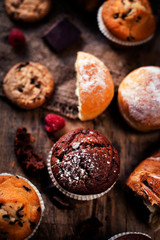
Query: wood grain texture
{"points": [[116, 210]]}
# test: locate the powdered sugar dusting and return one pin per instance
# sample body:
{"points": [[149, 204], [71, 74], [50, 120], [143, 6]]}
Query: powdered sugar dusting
{"points": [[143, 93], [92, 74]]}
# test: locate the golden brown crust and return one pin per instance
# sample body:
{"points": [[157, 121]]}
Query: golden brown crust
{"points": [[129, 20], [28, 85], [27, 10], [95, 88], [145, 180], [20, 208], [138, 98]]}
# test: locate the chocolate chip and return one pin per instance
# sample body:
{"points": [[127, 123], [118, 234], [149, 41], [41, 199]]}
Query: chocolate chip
{"points": [[138, 18], [17, 177], [116, 15], [20, 223], [124, 15], [32, 225], [6, 217], [1, 204], [38, 209], [130, 38], [20, 89], [46, 97], [18, 214], [21, 65], [38, 11], [26, 188], [32, 80], [38, 85], [38, 98], [15, 5]]}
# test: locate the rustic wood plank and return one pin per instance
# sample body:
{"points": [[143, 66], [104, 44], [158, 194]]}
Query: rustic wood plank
{"points": [[115, 210]]}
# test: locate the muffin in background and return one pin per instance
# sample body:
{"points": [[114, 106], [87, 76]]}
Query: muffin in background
{"points": [[127, 22], [21, 207], [83, 164], [131, 236]]}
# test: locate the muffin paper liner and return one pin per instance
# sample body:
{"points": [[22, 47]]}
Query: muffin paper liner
{"points": [[112, 38], [125, 233], [69, 194], [40, 200]]}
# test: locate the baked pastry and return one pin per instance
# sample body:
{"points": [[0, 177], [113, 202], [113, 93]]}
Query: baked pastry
{"points": [[131, 236], [139, 98], [28, 85], [83, 164], [27, 10], [95, 88], [21, 207], [145, 182], [129, 20], [30, 160]]}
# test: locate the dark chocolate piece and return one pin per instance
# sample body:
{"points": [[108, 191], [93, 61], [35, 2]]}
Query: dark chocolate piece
{"points": [[6, 217], [32, 225], [26, 188], [18, 213], [61, 35]]}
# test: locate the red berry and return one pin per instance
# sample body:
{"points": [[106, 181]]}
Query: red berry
{"points": [[16, 37], [53, 122]]}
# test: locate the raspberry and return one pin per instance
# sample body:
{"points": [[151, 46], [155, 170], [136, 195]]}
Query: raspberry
{"points": [[16, 37], [53, 122]]}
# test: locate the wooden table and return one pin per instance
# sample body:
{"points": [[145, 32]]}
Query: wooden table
{"points": [[116, 210]]}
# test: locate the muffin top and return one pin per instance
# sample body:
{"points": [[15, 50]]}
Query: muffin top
{"points": [[20, 208], [130, 20], [133, 236], [84, 162]]}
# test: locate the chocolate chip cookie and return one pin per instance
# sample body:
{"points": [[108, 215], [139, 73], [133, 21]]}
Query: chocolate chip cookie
{"points": [[27, 10], [28, 85], [129, 20]]}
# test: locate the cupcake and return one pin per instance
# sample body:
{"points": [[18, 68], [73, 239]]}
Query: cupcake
{"points": [[83, 164], [21, 208], [127, 22], [131, 236]]}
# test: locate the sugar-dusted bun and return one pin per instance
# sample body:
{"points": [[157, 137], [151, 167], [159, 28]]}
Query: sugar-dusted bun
{"points": [[129, 20], [139, 98], [95, 88]]}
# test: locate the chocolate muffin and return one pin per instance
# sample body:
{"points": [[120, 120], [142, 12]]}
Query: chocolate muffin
{"points": [[84, 162], [21, 207], [131, 236]]}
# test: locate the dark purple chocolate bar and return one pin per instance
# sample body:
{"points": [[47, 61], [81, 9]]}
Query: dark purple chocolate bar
{"points": [[61, 35]]}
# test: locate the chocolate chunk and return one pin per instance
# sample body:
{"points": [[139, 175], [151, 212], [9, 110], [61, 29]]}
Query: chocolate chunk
{"points": [[38, 209], [21, 65], [138, 18], [61, 35], [18, 214], [17, 177], [20, 89], [32, 225], [38, 85], [6, 217], [32, 80], [25, 153], [1, 204], [26, 188], [38, 98], [130, 38], [116, 15], [20, 223]]}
